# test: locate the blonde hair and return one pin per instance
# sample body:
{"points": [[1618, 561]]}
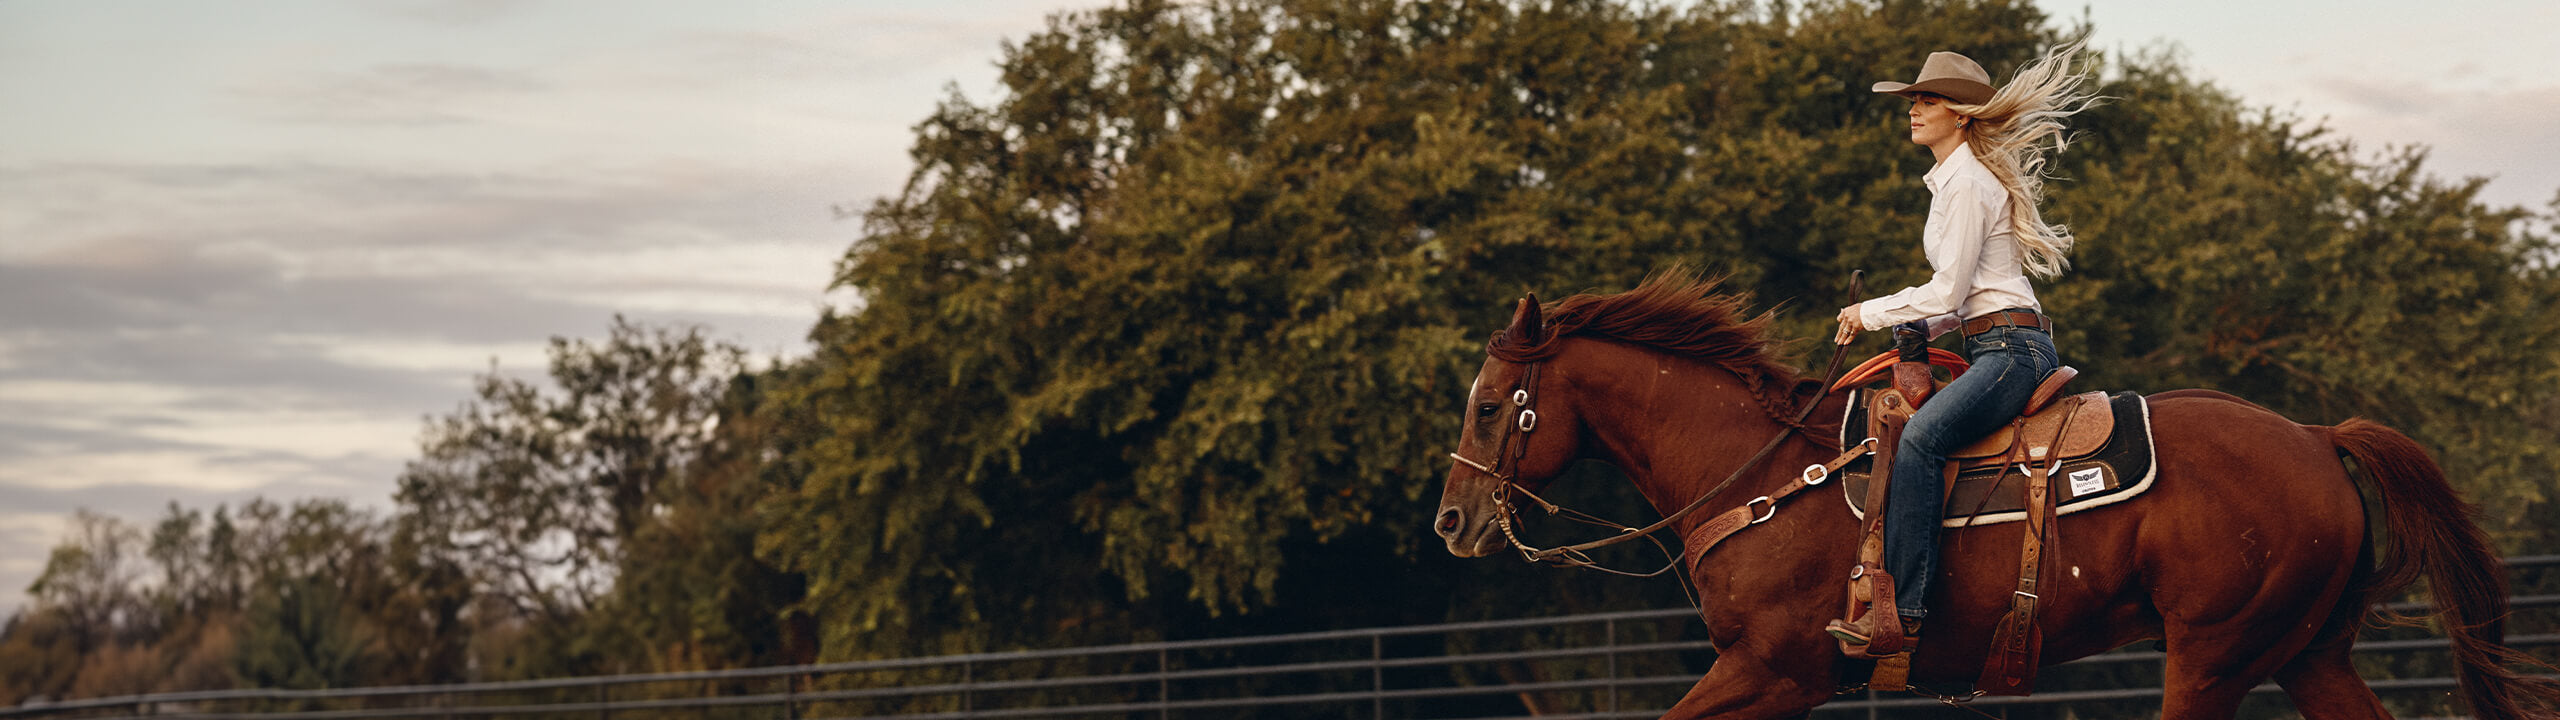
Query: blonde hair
{"points": [[2009, 134]]}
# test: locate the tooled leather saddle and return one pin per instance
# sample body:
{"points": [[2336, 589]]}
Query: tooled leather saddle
{"points": [[2106, 455], [2064, 453]]}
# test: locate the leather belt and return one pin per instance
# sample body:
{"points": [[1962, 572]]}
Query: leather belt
{"points": [[2008, 318]]}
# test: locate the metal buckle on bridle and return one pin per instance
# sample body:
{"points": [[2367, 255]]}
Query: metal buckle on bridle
{"points": [[1770, 512], [1817, 473], [1528, 418]]}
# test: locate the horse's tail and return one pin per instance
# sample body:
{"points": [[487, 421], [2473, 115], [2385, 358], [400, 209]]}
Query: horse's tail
{"points": [[2431, 532]]}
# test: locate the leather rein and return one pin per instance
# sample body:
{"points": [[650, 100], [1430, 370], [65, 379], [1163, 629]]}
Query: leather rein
{"points": [[1508, 456]]}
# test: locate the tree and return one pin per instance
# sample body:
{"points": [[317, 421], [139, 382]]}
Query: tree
{"points": [[1177, 312], [540, 494], [91, 580]]}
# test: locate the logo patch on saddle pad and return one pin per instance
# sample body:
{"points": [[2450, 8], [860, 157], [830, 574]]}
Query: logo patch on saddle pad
{"points": [[1987, 492], [2088, 482]]}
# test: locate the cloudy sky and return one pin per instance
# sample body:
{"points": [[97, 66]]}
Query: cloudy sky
{"points": [[245, 248]]}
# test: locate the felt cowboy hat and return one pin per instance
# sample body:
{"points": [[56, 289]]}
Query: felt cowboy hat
{"points": [[1949, 75]]}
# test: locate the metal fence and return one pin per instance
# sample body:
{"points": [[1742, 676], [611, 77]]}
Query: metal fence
{"points": [[1605, 665]]}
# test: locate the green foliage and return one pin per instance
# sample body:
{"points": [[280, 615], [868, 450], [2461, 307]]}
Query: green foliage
{"points": [[538, 492], [691, 593], [604, 520], [92, 580], [301, 636]]}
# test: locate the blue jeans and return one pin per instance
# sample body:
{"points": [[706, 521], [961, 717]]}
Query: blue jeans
{"points": [[2008, 363]]}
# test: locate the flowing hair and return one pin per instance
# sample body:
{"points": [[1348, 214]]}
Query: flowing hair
{"points": [[2009, 134]]}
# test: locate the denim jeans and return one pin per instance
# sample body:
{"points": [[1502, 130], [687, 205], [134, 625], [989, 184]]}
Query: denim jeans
{"points": [[2008, 363]]}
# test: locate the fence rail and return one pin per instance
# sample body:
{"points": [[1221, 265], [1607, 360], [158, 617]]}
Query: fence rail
{"points": [[1611, 665]]}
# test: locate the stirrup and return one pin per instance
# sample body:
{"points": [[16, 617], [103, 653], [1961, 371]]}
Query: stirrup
{"points": [[1876, 630], [1848, 633], [1861, 639]]}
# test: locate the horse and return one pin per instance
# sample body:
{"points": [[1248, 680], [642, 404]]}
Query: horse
{"points": [[2248, 558]]}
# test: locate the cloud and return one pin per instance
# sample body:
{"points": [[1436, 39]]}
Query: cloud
{"points": [[456, 13], [259, 272], [393, 94], [201, 331], [536, 229], [866, 43], [2503, 133]]}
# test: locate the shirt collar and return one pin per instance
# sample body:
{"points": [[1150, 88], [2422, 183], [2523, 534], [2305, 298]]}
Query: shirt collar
{"points": [[1946, 169]]}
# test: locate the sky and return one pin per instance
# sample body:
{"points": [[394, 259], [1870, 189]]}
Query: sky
{"points": [[246, 249]]}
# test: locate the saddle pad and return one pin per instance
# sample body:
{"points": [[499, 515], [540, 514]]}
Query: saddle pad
{"points": [[2118, 471]]}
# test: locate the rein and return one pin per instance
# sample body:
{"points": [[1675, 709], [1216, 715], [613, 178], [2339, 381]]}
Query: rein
{"points": [[1507, 460]]}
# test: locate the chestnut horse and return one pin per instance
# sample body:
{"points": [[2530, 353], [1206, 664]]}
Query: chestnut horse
{"points": [[2247, 557]]}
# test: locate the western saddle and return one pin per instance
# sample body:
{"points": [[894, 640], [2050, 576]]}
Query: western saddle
{"points": [[2052, 428]]}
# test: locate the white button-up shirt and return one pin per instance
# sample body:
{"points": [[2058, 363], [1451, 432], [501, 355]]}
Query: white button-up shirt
{"points": [[1973, 255]]}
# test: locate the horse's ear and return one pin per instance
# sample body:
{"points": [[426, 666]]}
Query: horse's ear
{"points": [[1525, 323]]}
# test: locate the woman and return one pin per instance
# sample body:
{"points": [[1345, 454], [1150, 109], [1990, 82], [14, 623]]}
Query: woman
{"points": [[1983, 239]]}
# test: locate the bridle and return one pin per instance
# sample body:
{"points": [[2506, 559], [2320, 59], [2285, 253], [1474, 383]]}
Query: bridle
{"points": [[1508, 456]]}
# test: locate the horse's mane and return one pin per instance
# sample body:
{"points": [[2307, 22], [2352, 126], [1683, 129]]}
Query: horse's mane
{"points": [[1674, 311]]}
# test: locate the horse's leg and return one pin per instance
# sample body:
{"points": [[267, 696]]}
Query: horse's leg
{"points": [[2322, 683], [2211, 669], [1744, 686], [2252, 540], [2214, 664], [2220, 650], [2324, 686]]}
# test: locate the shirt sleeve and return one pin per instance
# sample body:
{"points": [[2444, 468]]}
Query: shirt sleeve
{"points": [[1954, 245]]}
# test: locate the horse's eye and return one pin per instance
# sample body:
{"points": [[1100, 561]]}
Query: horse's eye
{"points": [[1487, 410]]}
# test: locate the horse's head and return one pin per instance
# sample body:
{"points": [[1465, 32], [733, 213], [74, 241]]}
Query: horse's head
{"points": [[1519, 430]]}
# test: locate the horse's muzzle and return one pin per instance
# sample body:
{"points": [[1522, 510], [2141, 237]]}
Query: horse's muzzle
{"points": [[1465, 539]]}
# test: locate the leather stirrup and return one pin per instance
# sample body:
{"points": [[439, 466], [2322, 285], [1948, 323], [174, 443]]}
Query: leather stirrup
{"points": [[1882, 624]]}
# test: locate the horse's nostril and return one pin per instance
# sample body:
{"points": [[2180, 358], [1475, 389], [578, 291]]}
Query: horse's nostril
{"points": [[1448, 522]]}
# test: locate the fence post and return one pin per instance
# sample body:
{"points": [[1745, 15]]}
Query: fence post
{"points": [[1377, 677], [791, 697], [968, 677], [1612, 643], [603, 696], [1164, 684]]}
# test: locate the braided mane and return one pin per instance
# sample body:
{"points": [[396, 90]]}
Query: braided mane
{"points": [[1674, 311]]}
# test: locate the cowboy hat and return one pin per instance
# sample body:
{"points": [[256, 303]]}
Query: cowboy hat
{"points": [[1949, 75]]}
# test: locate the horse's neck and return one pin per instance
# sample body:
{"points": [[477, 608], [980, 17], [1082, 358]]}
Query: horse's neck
{"points": [[1678, 428]]}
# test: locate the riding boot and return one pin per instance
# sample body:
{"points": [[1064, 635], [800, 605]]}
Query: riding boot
{"points": [[1875, 630], [1859, 633], [1879, 632]]}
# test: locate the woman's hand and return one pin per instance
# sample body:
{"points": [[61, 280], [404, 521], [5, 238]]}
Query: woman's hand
{"points": [[1849, 326]]}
